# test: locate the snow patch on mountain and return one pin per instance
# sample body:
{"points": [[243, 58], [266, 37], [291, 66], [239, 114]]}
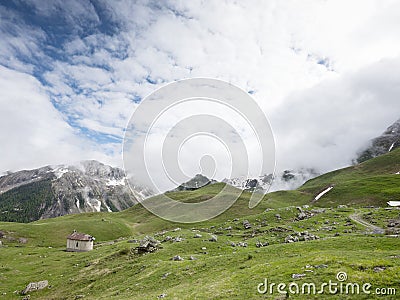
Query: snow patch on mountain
{"points": [[323, 193], [386, 142], [59, 171], [116, 182], [284, 180]]}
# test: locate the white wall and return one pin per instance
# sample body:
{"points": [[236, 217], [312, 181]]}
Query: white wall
{"points": [[73, 245]]}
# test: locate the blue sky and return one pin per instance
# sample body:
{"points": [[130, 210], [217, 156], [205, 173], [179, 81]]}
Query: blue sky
{"points": [[73, 72]]}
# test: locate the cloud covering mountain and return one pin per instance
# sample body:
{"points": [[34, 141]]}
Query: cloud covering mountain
{"points": [[326, 73]]}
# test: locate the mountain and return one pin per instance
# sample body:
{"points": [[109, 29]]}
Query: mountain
{"points": [[386, 142], [286, 235], [195, 183], [286, 180], [53, 191]]}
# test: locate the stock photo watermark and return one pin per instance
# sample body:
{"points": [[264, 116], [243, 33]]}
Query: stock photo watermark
{"points": [[340, 286], [197, 126]]}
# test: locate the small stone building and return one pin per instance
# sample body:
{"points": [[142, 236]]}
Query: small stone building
{"points": [[79, 242]]}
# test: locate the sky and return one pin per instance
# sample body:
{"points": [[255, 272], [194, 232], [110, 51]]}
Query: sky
{"points": [[325, 73]]}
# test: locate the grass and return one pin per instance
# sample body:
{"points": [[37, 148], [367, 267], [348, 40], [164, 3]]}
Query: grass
{"points": [[220, 271]]}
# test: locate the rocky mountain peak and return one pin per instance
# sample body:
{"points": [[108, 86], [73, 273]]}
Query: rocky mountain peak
{"points": [[386, 142], [52, 191]]}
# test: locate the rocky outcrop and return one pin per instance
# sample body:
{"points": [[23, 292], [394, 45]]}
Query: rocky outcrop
{"points": [[195, 183], [388, 141]]}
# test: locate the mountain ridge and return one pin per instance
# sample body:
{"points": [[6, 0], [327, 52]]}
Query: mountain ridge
{"points": [[89, 186], [388, 141]]}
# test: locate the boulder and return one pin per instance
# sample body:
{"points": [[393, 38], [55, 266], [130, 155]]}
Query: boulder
{"points": [[147, 245], [213, 238], [246, 224], [297, 276], [260, 244], [177, 258], [35, 286]]}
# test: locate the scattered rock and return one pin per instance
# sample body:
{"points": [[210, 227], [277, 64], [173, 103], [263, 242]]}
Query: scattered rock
{"points": [[393, 223], [327, 228], [260, 244], [302, 216], [246, 224], [177, 258], [297, 276], [167, 238], [242, 244], [177, 239], [291, 239], [228, 228], [301, 236], [197, 236], [34, 286], [22, 240], [213, 238], [192, 257], [342, 206], [203, 248], [379, 269], [177, 229], [279, 229], [322, 266], [165, 275], [318, 210], [162, 296], [278, 217], [161, 232], [232, 244], [147, 245]]}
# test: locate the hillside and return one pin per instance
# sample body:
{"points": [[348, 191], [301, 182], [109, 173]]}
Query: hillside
{"points": [[221, 258], [373, 182], [286, 235], [54, 191]]}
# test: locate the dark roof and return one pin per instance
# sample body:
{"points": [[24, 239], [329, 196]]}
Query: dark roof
{"points": [[80, 236]]}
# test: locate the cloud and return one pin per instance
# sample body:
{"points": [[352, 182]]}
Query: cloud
{"points": [[322, 71], [33, 132], [324, 127]]}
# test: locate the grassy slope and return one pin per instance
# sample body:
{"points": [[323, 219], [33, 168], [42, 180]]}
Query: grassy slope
{"points": [[372, 182], [221, 271], [224, 271]]}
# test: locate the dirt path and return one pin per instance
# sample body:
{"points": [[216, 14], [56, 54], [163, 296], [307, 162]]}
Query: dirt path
{"points": [[358, 219]]}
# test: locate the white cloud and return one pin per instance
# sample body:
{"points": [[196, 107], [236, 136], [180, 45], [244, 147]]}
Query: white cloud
{"points": [[325, 126], [33, 132], [317, 68]]}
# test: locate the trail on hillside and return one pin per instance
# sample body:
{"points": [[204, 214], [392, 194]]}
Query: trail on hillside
{"points": [[356, 217]]}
